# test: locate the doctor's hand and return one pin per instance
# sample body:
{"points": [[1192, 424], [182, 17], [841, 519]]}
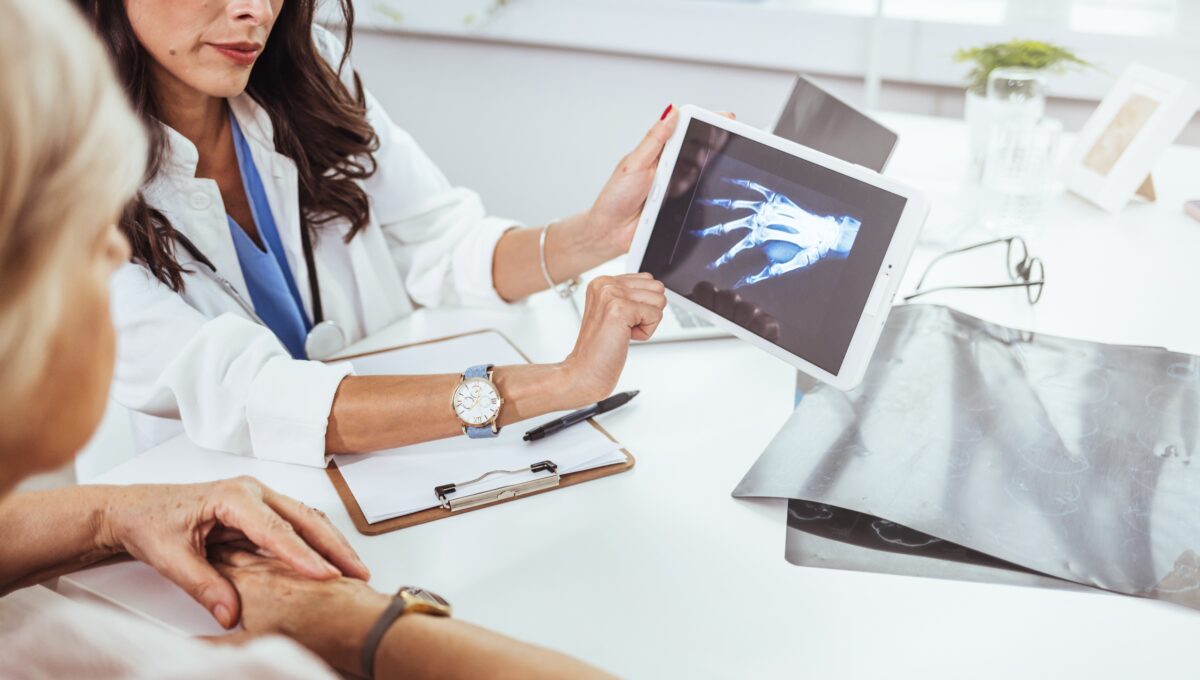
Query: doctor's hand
{"points": [[170, 527], [618, 309], [613, 218]]}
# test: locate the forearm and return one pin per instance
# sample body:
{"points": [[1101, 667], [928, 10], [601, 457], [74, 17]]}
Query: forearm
{"points": [[419, 646], [47, 533], [517, 267], [381, 412]]}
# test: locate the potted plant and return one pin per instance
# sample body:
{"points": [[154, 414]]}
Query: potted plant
{"points": [[1032, 55]]}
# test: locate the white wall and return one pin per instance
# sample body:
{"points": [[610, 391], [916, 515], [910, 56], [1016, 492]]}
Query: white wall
{"points": [[538, 130]]}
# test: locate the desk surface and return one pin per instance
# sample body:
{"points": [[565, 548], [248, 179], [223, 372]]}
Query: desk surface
{"points": [[660, 573]]}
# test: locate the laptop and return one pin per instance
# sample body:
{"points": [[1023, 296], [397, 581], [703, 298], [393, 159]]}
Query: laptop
{"points": [[816, 119]]}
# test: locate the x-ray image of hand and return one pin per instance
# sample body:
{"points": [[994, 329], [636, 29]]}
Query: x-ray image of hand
{"points": [[788, 235]]}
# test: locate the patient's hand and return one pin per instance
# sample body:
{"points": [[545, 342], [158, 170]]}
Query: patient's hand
{"points": [[169, 526], [330, 617]]}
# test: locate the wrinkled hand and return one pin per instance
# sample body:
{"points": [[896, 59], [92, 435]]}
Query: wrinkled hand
{"points": [[618, 309], [170, 526], [613, 217], [330, 617]]}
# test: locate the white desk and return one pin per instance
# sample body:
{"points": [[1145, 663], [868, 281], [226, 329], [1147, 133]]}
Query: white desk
{"points": [[659, 573]]}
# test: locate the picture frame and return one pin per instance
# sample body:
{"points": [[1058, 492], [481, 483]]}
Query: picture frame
{"points": [[1117, 148]]}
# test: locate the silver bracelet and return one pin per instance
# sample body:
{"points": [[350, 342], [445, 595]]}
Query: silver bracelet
{"points": [[567, 288]]}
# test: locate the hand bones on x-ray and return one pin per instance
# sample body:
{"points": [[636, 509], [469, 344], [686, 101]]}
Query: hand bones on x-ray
{"points": [[790, 236]]}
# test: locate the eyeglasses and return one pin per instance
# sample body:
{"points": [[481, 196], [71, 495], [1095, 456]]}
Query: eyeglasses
{"points": [[1023, 271]]}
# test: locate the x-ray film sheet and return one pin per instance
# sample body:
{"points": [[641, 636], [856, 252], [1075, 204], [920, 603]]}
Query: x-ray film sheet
{"points": [[823, 536], [1069, 458]]}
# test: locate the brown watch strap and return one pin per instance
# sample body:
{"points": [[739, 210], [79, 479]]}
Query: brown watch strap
{"points": [[394, 611]]}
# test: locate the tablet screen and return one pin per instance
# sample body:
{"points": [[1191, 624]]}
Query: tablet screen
{"points": [[781, 246]]}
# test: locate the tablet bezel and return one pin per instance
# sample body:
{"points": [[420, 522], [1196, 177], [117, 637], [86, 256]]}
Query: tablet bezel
{"points": [[887, 278]]}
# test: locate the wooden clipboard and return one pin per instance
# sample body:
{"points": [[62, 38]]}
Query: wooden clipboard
{"points": [[432, 514]]}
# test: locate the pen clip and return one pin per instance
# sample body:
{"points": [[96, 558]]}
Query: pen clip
{"points": [[444, 491]]}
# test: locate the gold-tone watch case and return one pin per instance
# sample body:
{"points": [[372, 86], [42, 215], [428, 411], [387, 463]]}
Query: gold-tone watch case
{"points": [[421, 601]]}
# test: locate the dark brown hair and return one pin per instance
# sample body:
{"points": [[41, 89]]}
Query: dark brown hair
{"points": [[318, 123]]}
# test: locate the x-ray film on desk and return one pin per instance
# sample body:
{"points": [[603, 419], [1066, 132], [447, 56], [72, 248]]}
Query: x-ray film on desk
{"points": [[1063, 457]]}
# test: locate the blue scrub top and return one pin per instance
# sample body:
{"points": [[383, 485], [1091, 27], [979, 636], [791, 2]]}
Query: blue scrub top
{"points": [[268, 277]]}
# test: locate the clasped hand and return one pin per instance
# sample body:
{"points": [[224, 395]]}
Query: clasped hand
{"points": [[170, 527]]}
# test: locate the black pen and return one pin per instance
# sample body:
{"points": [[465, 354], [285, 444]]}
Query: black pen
{"points": [[604, 406]]}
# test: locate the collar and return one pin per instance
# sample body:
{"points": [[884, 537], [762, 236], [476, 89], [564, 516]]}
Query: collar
{"points": [[176, 181], [180, 156]]}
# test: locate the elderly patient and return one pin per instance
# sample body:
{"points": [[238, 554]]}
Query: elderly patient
{"points": [[71, 155]]}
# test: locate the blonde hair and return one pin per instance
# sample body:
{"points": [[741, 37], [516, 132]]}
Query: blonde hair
{"points": [[72, 154]]}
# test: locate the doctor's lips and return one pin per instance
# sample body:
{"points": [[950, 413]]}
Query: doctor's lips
{"points": [[240, 53]]}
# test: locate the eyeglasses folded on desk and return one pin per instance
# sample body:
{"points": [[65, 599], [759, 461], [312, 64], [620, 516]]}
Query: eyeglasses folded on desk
{"points": [[1062, 457]]}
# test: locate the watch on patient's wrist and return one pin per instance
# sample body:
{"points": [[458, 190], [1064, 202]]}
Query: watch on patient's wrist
{"points": [[408, 600], [476, 402]]}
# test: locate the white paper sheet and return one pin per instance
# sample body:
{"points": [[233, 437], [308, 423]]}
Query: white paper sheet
{"points": [[400, 481]]}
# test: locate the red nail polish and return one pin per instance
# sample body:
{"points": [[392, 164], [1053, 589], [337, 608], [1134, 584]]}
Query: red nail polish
{"points": [[666, 112]]}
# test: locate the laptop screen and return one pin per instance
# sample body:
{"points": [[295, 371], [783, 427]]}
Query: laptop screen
{"points": [[820, 121]]}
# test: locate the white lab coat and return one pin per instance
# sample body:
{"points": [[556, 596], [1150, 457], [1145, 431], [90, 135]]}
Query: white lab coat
{"points": [[196, 361]]}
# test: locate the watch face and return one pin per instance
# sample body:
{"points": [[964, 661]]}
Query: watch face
{"points": [[476, 402]]}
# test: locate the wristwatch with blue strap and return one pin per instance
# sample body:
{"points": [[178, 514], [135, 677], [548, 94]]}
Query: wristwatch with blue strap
{"points": [[477, 402]]}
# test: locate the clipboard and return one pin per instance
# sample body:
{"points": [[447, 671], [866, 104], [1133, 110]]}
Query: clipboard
{"points": [[470, 502]]}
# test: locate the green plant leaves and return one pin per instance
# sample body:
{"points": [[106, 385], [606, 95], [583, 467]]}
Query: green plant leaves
{"points": [[1031, 54]]}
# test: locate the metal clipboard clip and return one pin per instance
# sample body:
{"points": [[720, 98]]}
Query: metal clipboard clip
{"points": [[444, 491]]}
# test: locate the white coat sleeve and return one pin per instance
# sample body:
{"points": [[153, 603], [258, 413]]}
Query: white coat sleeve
{"points": [[229, 380], [440, 236]]}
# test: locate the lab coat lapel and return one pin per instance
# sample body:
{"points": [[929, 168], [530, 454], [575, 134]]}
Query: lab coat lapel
{"points": [[381, 303], [379, 285], [194, 207]]}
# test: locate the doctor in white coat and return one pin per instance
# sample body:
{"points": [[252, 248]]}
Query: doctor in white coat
{"points": [[285, 215]]}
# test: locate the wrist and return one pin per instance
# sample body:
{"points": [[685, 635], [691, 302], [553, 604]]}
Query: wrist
{"points": [[580, 384], [107, 519], [582, 240], [533, 390], [341, 631]]}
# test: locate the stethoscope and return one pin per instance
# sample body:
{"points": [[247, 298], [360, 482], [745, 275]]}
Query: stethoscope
{"points": [[324, 340]]}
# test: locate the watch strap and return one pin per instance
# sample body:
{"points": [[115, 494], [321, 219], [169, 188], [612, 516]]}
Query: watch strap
{"points": [[394, 611], [481, 371], [483, 432]]}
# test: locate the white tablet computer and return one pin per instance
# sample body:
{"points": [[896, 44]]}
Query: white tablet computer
{"points": [[789, 249]]}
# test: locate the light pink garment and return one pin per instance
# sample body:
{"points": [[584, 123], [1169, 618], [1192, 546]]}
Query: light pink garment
{"points": [[45, 635]]}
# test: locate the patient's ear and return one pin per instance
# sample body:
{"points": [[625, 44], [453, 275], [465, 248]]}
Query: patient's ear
{"points": [[113, 247]]}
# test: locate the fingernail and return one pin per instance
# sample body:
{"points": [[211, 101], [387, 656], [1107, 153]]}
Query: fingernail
{"points": [[666, 112], [363, 566], [223, 615]]}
